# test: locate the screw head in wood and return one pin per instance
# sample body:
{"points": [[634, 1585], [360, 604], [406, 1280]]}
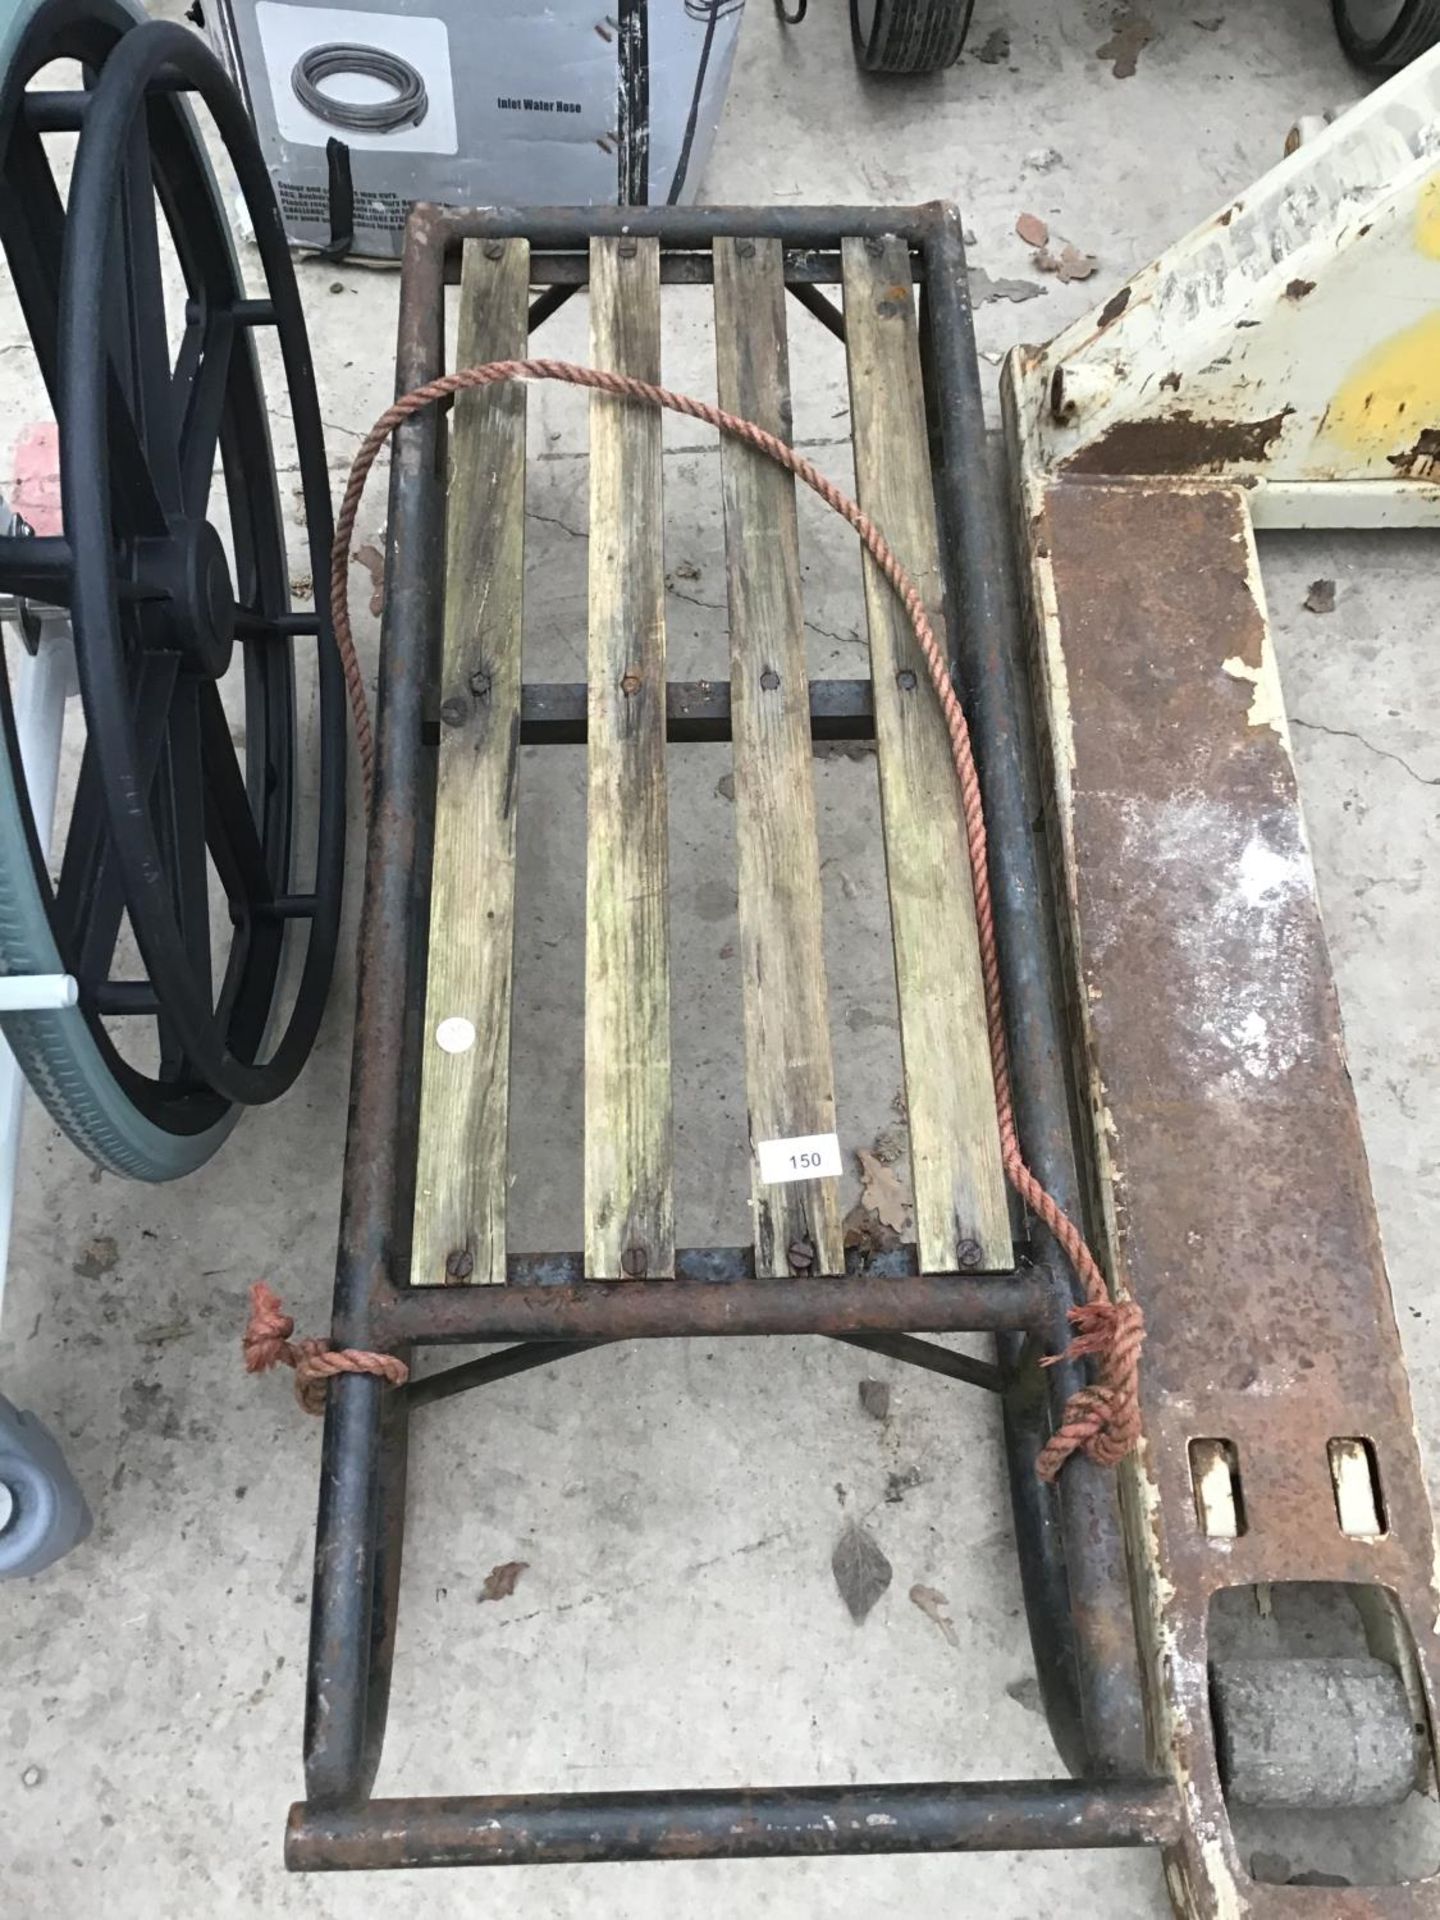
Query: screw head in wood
{"points": [[634, 1263], [494, 249], [905, 680], [969, 1254], [454, 712], [769, 679], [459, 1263]]}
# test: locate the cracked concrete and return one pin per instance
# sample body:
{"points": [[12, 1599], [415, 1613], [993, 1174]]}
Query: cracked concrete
{"points": [[677, 1504], [1347, 733]]}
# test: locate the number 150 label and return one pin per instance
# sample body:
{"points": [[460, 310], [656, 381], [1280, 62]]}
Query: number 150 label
{"points": [[808, 1156]]}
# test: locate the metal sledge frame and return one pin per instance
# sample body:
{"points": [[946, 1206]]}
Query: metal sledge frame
{"points": [[1069, 1537]]}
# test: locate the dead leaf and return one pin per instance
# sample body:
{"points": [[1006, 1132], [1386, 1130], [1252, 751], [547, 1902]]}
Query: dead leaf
{"points": [[984, 289], [500, 1581], [866, 1234], [862, 1573], [996, 48], [875, 1398], [725, 787], [1321, 597], [890, 1145], [1130, 34], [97, 1256], [897, 1485], [373, 562], [882, 1193], [930, 1600], [1210, 26], [1032, 229], [1070, 263], [685, 570]]}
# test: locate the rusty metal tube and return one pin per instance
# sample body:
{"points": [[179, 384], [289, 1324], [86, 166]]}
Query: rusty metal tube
{"points": [[673, 1309], [987, 1816]]}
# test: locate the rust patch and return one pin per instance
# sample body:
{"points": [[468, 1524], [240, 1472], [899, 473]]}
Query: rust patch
{"points": [[1422, 461], [1114, 307], [1179, 443]]}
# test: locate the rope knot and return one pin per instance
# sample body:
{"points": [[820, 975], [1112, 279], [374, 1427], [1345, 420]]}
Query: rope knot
{"points": [[1101, 1421], [267, 1331], [267, 1343]]}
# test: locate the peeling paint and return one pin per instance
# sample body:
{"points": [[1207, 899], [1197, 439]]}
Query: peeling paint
{"points": [[1267, 709]]}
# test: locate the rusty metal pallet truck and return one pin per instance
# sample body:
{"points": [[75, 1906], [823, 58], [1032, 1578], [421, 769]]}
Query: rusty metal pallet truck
{"points": [[1180, 1001]]}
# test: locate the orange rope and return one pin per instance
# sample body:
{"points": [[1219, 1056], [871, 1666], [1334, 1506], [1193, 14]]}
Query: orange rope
{"points": [[1102, 1420], [267, 1344]]}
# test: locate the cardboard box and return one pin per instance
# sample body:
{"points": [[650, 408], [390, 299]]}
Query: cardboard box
{"points": [[363, 109]]}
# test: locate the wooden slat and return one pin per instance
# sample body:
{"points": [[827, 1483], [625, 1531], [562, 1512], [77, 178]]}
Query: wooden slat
{"points": [[629, 1207], [954, 1136], [464, 1100], [788, 1072]]}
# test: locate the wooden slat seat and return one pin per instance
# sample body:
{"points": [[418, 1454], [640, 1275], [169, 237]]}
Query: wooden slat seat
{"points": [[962, 1218]]}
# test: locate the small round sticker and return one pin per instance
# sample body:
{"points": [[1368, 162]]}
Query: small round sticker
{"points": [[455, 1035]]}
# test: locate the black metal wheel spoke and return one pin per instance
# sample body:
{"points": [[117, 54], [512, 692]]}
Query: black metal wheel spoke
{"points": [[32, 224], [182, 804], [229, 823], [140, 349], [204, 412], [90, 894]]}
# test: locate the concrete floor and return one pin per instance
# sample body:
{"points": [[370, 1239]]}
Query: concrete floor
{"points": [[677, 1505]]}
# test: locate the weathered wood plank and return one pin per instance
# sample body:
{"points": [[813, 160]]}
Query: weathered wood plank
{"points": [[789, 1076], [629, 1206], [459, 1230], [960, 1201]]}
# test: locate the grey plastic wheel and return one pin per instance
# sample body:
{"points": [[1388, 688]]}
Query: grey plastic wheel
{"points": [[909, 36], [56, 1051], [1386, 34]]}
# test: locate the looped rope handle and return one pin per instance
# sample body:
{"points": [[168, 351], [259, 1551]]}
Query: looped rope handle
{"points": [[1101, 1420]]}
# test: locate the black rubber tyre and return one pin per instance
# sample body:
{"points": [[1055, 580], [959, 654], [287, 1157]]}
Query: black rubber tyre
{"points": [[1382, 36], [909, 36]]}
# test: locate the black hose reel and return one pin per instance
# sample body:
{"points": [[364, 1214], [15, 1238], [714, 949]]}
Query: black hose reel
{"points": [[194, 892]]}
